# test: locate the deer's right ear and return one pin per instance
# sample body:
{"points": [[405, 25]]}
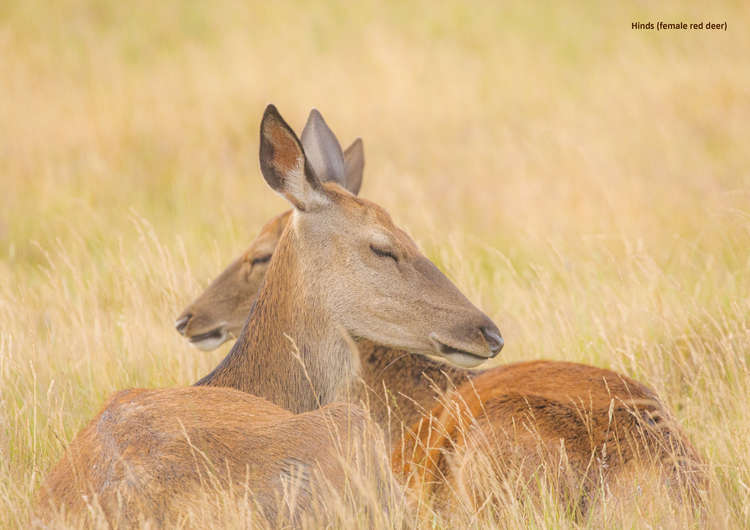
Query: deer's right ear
{"points": [[284, 166]]}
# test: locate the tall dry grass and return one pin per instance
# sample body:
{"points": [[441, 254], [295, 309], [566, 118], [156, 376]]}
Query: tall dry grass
{"points": [[585, 183]]}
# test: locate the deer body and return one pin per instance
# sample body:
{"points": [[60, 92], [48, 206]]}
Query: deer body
{"points": [[448, 425], [149, 455], [596, 427]]}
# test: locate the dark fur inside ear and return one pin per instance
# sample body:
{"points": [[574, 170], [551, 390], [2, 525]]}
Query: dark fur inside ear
{"points": [[282, 159], [273, 178]]}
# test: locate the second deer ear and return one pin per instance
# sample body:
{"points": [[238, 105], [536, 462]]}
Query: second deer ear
{"points": [[322, 149], [354, 165], [324, 154], [284, 165]]}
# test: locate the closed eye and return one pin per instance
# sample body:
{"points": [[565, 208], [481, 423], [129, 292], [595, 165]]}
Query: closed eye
{"points": [[261, 259], [382, 253]]}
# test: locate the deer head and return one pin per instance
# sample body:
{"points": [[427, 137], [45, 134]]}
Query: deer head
{"points": [[356, 270]]}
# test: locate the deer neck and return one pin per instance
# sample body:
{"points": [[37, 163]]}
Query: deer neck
{"points": [[399, 387], [289, 351]]}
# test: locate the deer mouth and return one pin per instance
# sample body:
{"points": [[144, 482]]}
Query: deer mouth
{"points": [[458, 356], [210, 339]]}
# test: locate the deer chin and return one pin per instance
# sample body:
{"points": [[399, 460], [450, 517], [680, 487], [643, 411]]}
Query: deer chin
{"points": [[210, 340], [457, 356], [464, 360]]}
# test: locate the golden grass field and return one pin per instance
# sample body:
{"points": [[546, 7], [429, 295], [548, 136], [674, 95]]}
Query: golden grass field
{"points": [[586, 184]]}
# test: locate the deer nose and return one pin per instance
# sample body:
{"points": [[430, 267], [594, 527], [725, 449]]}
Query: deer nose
{"points": [[492, 336], [182, 322]]}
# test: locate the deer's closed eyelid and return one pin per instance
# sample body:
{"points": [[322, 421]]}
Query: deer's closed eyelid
{"points": [[383, 253], [260, 259]]}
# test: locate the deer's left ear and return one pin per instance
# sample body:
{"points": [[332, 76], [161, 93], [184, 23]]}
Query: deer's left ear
{"points": [[284, 165]]}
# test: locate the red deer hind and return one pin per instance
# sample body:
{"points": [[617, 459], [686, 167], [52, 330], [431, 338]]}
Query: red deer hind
{"points": [[341, 269]]}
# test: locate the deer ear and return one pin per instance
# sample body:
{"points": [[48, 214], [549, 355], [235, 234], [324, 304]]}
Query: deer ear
{"points": [[354, 165], [284, 165], [322, 149]]}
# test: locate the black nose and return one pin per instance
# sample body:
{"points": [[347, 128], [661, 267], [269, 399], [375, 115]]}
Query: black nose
{"points": [[182, 322], [493, 338]]}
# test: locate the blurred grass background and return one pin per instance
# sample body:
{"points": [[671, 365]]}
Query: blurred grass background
{"points": [[585, 183]]}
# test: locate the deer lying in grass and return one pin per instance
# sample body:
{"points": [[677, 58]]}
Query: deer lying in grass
{"points": [[579, 427], [341, 268], [609, 425]]}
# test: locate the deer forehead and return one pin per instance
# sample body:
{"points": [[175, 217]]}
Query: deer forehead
{"points": [[364, 212], [263, 244], [350, 214]]}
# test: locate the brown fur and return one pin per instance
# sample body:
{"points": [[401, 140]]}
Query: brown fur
{"points": [[594, 424], [148, 455]]}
